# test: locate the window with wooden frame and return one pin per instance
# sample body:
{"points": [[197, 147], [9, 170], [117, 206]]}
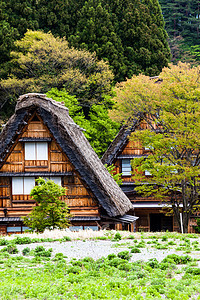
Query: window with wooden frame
{"points": [[36, 150], [22, 185], [126, 167]]}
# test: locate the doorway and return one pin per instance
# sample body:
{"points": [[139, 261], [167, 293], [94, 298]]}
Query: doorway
{"points": [[160, 222]]}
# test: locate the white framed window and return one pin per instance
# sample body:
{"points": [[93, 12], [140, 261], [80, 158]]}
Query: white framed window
{"points": [[126, 167], [147, 173], [22, 185], [36, 151]]}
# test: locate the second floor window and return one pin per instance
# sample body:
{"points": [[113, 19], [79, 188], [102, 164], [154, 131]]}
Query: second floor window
{"points": [[36, 151], [126, 167], [22, 185]]}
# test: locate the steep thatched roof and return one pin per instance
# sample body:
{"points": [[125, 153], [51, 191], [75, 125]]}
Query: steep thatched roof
{"points": [[120, 140], [73, 143]]}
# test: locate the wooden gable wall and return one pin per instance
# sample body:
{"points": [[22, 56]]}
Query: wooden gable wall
{"points": [[79, 199]]}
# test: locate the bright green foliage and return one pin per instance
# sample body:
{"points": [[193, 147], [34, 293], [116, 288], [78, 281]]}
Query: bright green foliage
{"points": [[50, 212], [100, 130], [42, 61], [116, 176], [173, 106]]}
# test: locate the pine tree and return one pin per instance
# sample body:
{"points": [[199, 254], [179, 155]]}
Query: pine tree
{"points": [[182, 18]]}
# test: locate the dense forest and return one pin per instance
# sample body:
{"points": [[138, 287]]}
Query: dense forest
{"points": [[81, 49]]}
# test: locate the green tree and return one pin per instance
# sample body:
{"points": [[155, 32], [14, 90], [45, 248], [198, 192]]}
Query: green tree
{"points": [[50, 211], [43, 61], [129, 34], [100, 130], [171, 110], [182, 18], [132, 37], [116, 176], [95, 32]]}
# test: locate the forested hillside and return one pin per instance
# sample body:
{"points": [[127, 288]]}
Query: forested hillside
{"points": [[182, 22], [80, 49], [128, 34]]}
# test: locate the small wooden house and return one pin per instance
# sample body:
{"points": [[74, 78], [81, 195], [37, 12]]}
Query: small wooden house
{"points": [[120, 153], [41, 140]]}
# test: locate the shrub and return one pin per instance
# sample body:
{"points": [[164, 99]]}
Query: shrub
{"points": [[193, 271], [40, 251], [3, 242], [124, 255], [66, 239], [22, 240], [153, 263], [135, 250], [74, 270], [26, 251], [117, 236], [177, 259], [111, 256], [11, 249]]}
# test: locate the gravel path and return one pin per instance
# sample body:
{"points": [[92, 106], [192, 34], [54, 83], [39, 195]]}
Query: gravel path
{"points": [[98, 249]]}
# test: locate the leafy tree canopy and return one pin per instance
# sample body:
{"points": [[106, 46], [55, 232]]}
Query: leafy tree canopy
{"points": [[129, 34], [100, 130], [171, 109], [42, 61], [50, 212]]}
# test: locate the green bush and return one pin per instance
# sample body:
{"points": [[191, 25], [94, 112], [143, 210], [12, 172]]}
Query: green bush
{"points": [[26, 251], [11, 249], [66, 239], [3, 242], [124, 255], [117, 236], [153, 263], [135, 250], [177, 259], [40, 251], [22, 240], [193, 271]]}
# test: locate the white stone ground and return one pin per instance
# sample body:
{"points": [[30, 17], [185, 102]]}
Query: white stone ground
{"points": [[98, 249]]}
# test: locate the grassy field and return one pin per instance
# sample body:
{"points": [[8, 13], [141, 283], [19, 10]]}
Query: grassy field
{"points": [[39, 274]]}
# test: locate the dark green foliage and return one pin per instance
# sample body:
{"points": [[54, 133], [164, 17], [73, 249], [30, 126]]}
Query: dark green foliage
{"points": [[182, 21], [153, 263], [40, 251], [193, 271], [26, 251], [135, 250], [197, 228], [128, 34], [117, 236], [124, 255], [132, 39], [182, 18], [177, 259], [11, 249], [22, 240]]}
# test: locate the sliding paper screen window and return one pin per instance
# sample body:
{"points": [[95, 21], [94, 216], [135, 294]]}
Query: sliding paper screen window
{"points": [[36, 151]]}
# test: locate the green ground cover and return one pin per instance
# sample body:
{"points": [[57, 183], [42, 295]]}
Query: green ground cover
{"points": [[39, 274]]}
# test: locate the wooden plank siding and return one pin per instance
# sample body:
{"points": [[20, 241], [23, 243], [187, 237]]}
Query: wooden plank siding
{"points": [[78, 198]]}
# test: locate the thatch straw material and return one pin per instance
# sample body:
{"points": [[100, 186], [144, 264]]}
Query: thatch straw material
{"points": [[73, 143]]}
